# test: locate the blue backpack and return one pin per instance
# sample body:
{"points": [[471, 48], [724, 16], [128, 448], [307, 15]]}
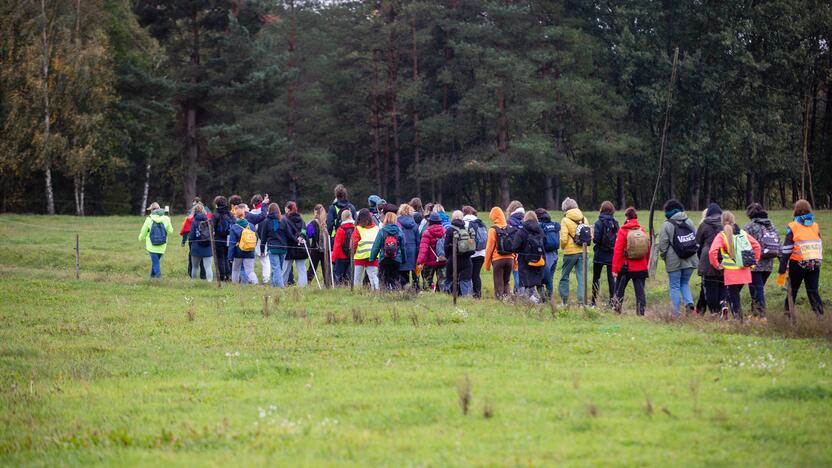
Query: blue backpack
{"points": [[223, 226], [481, 233], [551, 236], [158, 234]]}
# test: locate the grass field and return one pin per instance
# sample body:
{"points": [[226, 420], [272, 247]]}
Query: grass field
{"points": [[116, 369]]}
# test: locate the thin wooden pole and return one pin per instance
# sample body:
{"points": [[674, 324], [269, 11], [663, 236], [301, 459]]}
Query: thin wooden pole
{"points": [[77, 256], [790, 301], [455, 279], [266, 306], [214, 255], [352, 266], [585, 259]]}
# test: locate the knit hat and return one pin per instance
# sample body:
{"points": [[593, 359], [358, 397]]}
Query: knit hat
{"points": [[568, 204], [375, 200], [713, 209], [434, 218]]}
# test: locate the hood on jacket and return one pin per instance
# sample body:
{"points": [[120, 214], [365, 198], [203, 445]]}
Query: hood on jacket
{"points": [[632, 224], [295, 218], [341, 203], [469, 218], [391, 229], [807, 220], [348, 224], [762, 221], [575, 215], [544, 218], [680, 216], [532, 226], [272, 216], [242, 222], [458, 223], [222, 210], [498, 217], [407, 222], [157, 216], [713, 209], [198, 218], [434, 218], [606, 216], [714, 221]]}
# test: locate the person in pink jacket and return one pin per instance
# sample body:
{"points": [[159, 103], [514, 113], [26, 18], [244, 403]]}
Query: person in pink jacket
{"points": [[735, 253]]}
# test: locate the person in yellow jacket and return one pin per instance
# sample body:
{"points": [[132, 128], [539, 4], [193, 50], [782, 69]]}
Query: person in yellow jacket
{"points": [[154, 233], [802, 255], [572, 252]]}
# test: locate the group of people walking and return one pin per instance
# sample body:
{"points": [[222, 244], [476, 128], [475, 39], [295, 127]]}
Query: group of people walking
{"points": [[422, 247]]}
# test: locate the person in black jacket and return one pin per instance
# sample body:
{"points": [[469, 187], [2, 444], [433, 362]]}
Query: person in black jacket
{"points": [[333, 216], [221, 222], [712, 279], [603, 238], [200, 244], [273, 242], [296, 241], [464, 268], [531, 258]]}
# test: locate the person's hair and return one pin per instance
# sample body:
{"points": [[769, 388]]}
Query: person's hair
{"points": [[704, 215], [199, 208], [275, 208], [469, 210], [457, 214], [540, 212], [256, 199], [755, 210], [530, 216], [513, 206], [240, 212], [340, 192], [802, 207], [195, 201], [390, 218], [568, 204], [728, 222], [320, 214], [631, 213], [607, 207], [291, 207], [406, 210], [437, 208], [364, 217], [235, 200], [428, 209], [345, 215], [416, 204], [673, 204], [220, 200]]}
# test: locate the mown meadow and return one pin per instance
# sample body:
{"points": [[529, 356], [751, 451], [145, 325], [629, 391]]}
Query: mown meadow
{"points": [[117, 369]]}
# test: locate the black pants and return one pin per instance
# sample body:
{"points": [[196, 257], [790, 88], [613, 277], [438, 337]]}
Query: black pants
{"points": [[404, 278], [798, 275], [702, 302], [597, 268], [715, 293], [223, 266], [733, 298], [389, 271], [476, 263], [343, 273], [758, 292], [316, 261], [638, 278]]}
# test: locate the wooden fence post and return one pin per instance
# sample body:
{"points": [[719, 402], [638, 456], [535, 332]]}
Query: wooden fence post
{"points": [[77, 256], [214, 255], [455, 278]]}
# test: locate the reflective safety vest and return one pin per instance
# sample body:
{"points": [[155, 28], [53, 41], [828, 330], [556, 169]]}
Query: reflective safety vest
{"points": [[741, 243], [807, 242], [365, 244]]}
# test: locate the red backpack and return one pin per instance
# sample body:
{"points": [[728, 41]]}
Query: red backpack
{"points": [[391, 246]]}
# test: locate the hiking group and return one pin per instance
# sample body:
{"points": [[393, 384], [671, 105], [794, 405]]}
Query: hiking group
{"points": [[411, 246]]}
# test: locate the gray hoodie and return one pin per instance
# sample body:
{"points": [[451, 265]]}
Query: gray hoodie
{"points": [[671, 260]]}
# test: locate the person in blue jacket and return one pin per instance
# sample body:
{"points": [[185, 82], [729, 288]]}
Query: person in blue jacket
{"points": [[200, 243], [240, 258], [390, 263], [273, 241], [410, 230]]}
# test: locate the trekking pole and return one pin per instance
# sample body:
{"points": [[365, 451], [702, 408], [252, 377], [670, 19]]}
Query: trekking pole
{"points": [[790, 301], [455, 278], [77, 256], [585, 259], [352, 268], [314, 271], [214, 256]]}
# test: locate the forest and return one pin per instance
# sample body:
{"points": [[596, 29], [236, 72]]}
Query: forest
{"points": [[106, 105]]}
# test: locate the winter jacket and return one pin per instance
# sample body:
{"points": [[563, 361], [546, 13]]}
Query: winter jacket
{"points": [[529, 275], [335, 211], [755, 228], [427, 246], [272, 238], [377, 253], [464, 268], [672, 261], [293, 228], [568, 227], [468, 219], [418, 217], [186, 228], [516, 219], [710, 227], [222, 215], [234, 239], [199, 247], [410, 229], [788, 253], [602, 226], [446, 221], [313, 234], [157, 216], [255, 217], [732, 277], [619, 260], [498, 219], [360, 247], [341, 245]]}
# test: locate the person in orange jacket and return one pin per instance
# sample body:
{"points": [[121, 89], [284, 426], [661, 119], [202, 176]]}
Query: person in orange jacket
{"points": [[735, 253], [802, 255], [504, 263]]}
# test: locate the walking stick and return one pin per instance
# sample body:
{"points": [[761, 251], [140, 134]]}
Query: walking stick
{"points": [[314, 271], [352, 267], [455, 278], [214, 254], [790, 300], [585, 258]]}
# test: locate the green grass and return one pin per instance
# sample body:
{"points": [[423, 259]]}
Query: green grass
{"points": [[111, 370]]}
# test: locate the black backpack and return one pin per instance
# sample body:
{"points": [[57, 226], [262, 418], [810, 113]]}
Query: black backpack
{"points": [[608, 236], [769, 241], [336, 223], [202, 233], [505, 238], [534, 249], [684, 240], [345, 244], [583, 235]]}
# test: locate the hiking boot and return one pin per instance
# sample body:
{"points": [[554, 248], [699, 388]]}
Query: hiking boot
{"points": [[690, 309]]}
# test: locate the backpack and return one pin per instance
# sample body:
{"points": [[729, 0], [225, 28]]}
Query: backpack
{"points": [[535, 252], [337, 221], [466, 240], [222, 226], [391, 246], [158, 233], [637, 244], [481, 233], [439, 251], [505, 237], [608, 235], [203, 230], [743, 251], [248, 240], [769, 241], [684, 240], [345, 244], [551, 236], [583, 235]]}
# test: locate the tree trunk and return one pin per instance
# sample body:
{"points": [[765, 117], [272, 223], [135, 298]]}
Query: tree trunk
{"points": [[416, 143], [749, 187], [191, 137], [795, 192], [557, 192], [377, 140], [550, 193], [146, 190], [620, 196], [783, 193], [47, 117], [593, 188], [706, 182], [392, 92], [291, 156], [695, 186], [502, 129]]}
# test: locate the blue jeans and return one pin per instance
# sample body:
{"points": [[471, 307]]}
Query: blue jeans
{"points": [[679, 288], [549, 271], [276, 262], [300, 267], [155, 268], [758, 288], [570, 262], [466, 287]]}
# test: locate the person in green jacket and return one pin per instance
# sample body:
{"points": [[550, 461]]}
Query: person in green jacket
{"points": [[154, 233], [679, 265]]}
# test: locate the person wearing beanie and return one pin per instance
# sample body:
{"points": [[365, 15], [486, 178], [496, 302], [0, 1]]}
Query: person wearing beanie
{"points": [[374, 203], [761, 228], [630, 262], [712, 278], [572, 252], [679, 265]]}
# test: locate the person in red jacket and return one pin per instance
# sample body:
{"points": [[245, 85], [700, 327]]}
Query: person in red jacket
{"points": [[630, 259], [432, 260], [341, 248]]}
